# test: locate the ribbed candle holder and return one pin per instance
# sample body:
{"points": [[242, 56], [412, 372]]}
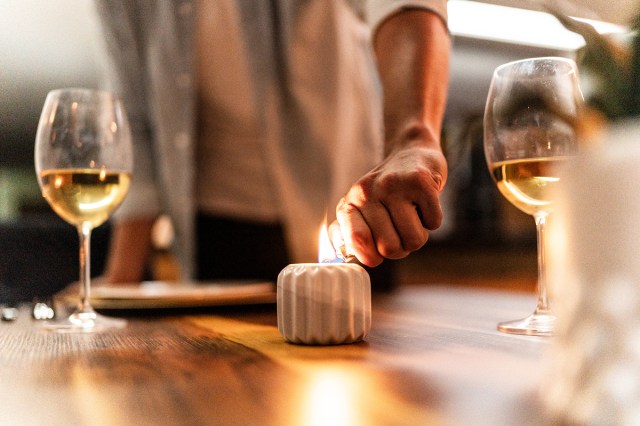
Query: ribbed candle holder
{"points": [[324, 303]]}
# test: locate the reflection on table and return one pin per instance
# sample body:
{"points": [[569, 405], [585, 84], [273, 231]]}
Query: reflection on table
{"points": [[433, 357]]}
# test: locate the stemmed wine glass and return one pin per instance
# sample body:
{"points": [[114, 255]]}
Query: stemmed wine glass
{"points": [[83, 160], [530, 124]]}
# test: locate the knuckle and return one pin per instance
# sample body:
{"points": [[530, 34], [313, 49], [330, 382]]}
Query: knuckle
{"points": [[390, 182], [345, 208], [397, 255], [366, 192], [387, 251], [414, 242], [360, 238], [360, 193], [426, 181], [371, 260], [433, 219], [391, 249]]}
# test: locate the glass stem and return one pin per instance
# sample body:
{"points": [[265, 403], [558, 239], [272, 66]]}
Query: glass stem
{"points": [[543, 302], [84, 234]]}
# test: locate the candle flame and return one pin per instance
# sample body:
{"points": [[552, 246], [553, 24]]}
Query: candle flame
{"points": [[326, 252]]}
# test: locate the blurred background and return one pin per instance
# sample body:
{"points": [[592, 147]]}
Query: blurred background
{"points": [[50, 44]]}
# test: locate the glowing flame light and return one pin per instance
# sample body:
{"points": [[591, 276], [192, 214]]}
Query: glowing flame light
{"points": [[326, 252]]}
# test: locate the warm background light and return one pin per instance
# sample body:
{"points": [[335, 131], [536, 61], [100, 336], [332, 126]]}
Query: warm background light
{"points": [[514, 25]]}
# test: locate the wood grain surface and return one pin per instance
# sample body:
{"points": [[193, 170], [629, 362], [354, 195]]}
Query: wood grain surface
{"points": [[433, 357]]}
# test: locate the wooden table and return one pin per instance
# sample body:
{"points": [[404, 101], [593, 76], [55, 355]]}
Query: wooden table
{"points": [[433, 357]]}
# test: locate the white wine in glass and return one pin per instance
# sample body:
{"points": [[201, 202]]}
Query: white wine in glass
{"points": [[83, 159], [530, 130]]}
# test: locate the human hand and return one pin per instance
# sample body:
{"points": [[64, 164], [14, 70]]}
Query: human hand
{"points": [[389, 211]]}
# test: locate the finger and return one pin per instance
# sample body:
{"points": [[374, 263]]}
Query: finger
{"points": [[335, 234], [339, 245], [409, 227], [386, 238], [429, 211], [387, 241], [357, 234]]}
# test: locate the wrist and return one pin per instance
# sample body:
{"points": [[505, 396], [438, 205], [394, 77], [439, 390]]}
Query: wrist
{"points": [[414, 135]]}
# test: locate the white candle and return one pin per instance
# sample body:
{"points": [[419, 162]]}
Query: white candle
{"points": [[324, 303]]}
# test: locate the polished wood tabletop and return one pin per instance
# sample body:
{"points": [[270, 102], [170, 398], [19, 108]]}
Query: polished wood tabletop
{"points": [[433, 357]]}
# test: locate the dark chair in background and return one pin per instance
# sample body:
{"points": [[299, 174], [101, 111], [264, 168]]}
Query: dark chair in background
{"points": [[39, 256]]}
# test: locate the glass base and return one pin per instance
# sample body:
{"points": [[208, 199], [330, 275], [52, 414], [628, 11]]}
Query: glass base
{"points": [[84, 322], [536, 324]]}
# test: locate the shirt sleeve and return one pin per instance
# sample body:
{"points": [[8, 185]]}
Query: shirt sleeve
{"points": [[123, 74], [376, 11]]}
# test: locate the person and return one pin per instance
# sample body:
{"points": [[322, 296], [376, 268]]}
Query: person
{"points": [[252, 120]]}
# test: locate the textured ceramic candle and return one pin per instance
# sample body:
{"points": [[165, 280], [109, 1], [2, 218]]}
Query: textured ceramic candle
{"points": [[324, 303]]}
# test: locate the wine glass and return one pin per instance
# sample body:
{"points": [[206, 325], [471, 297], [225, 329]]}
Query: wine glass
{"points": [[83, 160], [530, 124]]}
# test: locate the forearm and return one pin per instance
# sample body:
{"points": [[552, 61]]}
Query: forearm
{"points": [[412, 48], [129, 250], [389, 211]]}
